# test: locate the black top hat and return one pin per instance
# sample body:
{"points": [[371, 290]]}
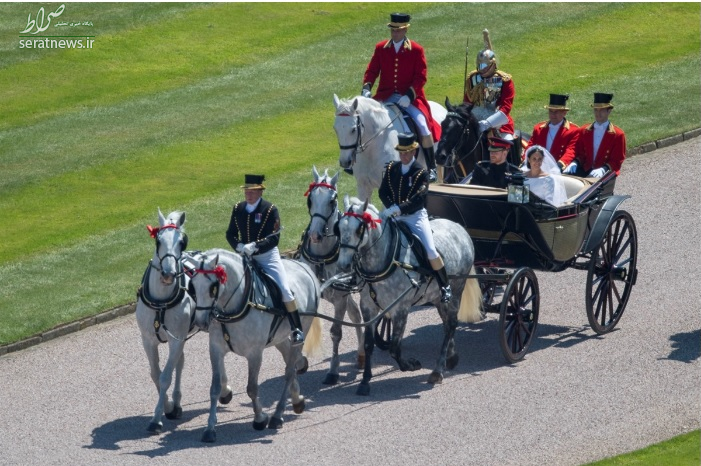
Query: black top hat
{"points": [[399, 20], [496, 144], [254, 182], [602, 100], [406, 142], [558, 102]]}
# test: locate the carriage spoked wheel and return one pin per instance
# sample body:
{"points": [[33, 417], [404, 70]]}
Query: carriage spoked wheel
{"points": [[383, 333], [612, 273], [518, 314]]}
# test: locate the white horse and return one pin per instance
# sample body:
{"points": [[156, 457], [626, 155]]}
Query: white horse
{"points": [[227, 288], [319, 249], [384, 259], [165, 313], [367, 139]]}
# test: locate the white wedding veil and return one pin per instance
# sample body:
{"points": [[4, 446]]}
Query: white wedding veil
{"points": [[550, 166]]}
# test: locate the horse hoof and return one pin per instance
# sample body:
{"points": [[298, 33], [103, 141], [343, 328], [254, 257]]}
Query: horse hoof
{"points": [[331, 379], [435, 377], [299, 407], [361, 362], [363, 389], [303, 369], [155, 428], [209, 436], [177, 413], [262, 424], [451, 362], [226, 399], [275, 423]]}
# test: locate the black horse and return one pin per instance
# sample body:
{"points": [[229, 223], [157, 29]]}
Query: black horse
{"points": [[462, 146]]}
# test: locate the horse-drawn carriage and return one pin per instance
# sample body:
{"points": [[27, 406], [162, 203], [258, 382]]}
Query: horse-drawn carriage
{"points": [[512, 239]]}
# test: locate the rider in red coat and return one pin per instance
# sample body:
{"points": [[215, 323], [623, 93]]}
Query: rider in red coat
{"points": [[400, 64], [492, 93], [601, 146], [558, 134]]}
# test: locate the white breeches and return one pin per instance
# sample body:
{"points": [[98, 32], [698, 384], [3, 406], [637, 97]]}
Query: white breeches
{"points": [[271, 262], [419, 225], [415, 114]]}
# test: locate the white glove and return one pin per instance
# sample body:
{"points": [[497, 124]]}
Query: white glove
{"points": [[571, 169], [484, 126], [597, 172], [366, 93], [250, 248], [404, 101], [391, 211], [239, 248]]}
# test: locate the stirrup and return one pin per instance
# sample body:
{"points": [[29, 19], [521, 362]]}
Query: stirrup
{"points": [[297, 337], [446, 294]]}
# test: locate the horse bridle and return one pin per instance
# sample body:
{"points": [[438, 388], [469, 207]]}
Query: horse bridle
{"points": [[358, 146], [334, 210], [465, 126], [156, 234]]}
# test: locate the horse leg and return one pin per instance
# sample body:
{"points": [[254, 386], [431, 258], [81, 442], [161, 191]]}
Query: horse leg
{"points": [[177, 411], [395, 349], [369, 344], [217, 351], [260, 419], [175, 351], [336, 335], [355, 317], [290, 355], [450, 323], [150, 344]]}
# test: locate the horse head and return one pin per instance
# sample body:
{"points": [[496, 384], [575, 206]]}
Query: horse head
{"points": [[171, 242], [460, 138], [213, 277], [356, 229], [347, 128], [322, 203]]}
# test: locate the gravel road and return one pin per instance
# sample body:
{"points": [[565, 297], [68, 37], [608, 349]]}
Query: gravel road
{"points": [[86, 398]]}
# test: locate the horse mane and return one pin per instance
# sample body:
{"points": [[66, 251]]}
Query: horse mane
{"points": [[354, 202], [364, 104]]}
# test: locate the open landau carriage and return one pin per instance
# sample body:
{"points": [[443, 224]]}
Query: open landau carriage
{"points": [[514, 238]]}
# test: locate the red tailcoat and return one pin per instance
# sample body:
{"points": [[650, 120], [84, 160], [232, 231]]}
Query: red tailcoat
{"points": [[563, 146], [612, 151], [404, 73]]}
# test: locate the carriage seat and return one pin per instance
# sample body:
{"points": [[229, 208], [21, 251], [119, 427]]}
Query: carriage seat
{"points": [[574, 186]]}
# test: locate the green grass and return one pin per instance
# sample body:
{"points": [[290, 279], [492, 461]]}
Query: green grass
{"points": [[683, 450], [176, 102]]}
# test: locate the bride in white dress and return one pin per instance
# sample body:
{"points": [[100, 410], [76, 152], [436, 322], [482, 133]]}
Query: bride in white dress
{"points": [[543, 178]]}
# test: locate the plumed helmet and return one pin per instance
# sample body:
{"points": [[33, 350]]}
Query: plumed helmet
{"points": [[486, 57]]}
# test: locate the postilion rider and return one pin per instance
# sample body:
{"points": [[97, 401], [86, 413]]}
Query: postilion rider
{"points": [[401, 66], [403, 192], [252, 231]]}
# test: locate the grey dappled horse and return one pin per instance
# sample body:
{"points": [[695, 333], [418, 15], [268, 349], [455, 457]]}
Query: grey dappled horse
{"points": [[165, 312], [319, 249], [368, 247], [367, 139], [224, 288]]}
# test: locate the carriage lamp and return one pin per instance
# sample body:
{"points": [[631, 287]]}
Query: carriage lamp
{"points": [[519, 193]]}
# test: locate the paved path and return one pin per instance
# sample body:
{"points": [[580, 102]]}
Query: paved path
{"points": [[86, 398]]}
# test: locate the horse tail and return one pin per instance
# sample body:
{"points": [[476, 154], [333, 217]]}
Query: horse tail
{"points": [[471, 301], [312, 341]]}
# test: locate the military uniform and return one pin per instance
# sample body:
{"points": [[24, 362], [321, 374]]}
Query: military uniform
{"points": [[488, 174], [403, 192]]}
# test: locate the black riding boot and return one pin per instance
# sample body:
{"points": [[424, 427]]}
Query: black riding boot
{"points": [[446, 292], [430, 157], [297, 337]]}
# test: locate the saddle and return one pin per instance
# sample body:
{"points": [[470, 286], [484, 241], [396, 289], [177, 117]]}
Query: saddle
{"points": [[416, 246], [401, 120]]}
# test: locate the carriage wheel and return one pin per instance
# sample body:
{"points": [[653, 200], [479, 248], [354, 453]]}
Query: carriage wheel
{"points": [[518, 315], [383, 333], [612, 273]]}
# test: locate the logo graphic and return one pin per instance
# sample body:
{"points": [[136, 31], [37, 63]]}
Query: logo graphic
{"points": [[29, 38]]}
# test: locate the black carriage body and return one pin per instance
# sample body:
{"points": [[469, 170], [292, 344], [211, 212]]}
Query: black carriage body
{"points": [[535, 234]]}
